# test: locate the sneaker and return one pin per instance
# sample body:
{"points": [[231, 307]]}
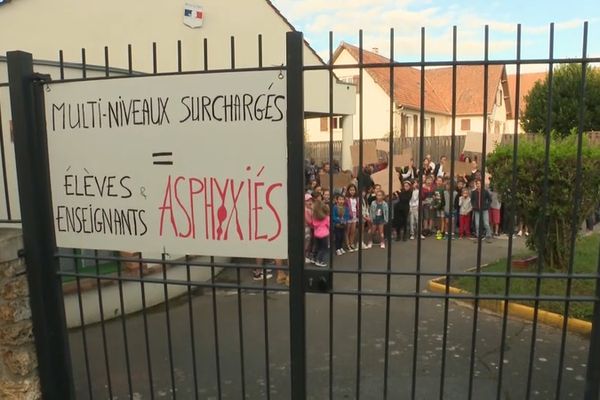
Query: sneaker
{"points": [[369, 245], [412, 237], [259, 276], [422, 237], [382, 245], [352, 249], [526, 233], [308, 260], [520, 233], [488, 239], [320, 264], [365, 247], [339, 252], [342, 251]]}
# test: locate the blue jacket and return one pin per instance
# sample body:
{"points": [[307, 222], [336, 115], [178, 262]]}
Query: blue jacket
{"points": [[340, 219]]}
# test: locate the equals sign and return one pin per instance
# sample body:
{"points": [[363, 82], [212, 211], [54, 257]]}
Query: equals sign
{"points": [[162, 154]]}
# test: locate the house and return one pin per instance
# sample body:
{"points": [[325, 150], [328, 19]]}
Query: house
{"points": [[43, 28], [527, 82], [406, 104]]}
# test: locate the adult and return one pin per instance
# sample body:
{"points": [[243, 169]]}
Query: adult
{"points": [[365, 182], [409, 172], [481, 201], [439, 167], [426, 169]]}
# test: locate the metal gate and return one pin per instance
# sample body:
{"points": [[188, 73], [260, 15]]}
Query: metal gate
{"points": [[369, 325]]}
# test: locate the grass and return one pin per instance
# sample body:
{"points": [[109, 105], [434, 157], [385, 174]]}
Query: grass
{"points": [[103, 269], [586, 261]]}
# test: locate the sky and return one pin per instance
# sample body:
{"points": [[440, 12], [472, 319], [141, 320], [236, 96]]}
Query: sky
{"points": [[375, 17]]}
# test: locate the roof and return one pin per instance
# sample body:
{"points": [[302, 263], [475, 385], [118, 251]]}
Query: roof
{"points": [[527, 83], [438, 84]]}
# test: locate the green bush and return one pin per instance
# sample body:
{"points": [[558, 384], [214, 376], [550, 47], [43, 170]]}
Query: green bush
{"points": [[551, 226]]}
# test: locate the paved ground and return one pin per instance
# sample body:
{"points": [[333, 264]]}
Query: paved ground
{"points": [[372, 343]]}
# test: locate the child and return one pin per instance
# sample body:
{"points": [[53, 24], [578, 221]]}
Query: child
{"points": [[401, 210], [449, 197], [413, 213], [321, 231], [308, 229], [437, 207], [464, 224], [326, 196], [352, 205], [495, 212], [341, 216], [379, 214], [427, 198]]}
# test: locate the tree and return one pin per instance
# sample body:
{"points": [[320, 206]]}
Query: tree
{"points": [[566, 101], [551, 224]]}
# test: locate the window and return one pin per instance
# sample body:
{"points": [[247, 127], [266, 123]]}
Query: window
{"points": [[499, 98], [324, 124], [432, 126], [336, 123], [465, 124]]}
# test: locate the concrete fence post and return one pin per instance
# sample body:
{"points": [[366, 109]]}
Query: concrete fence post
{"points": [[18, 363]]}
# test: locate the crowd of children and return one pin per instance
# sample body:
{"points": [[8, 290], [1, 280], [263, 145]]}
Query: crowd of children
{"points": [[443, 207]]}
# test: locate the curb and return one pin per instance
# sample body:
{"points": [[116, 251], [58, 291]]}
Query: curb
{"points": [[574, 325]]}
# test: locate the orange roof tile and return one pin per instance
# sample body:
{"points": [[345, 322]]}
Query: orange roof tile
{"points": [[438, 84], [527, 83]]}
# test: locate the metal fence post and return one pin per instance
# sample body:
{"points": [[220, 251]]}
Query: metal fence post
{"points": [[38, 234], [295, 181]]}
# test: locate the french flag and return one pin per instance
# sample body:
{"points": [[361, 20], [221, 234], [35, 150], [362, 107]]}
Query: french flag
{"points": [[193, 15]]}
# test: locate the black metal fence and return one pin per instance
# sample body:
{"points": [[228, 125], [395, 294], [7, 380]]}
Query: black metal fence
{"points": [[380, 331]]}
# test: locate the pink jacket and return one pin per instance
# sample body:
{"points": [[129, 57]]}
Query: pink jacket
{"points": [[321, 228], [308, 217]]}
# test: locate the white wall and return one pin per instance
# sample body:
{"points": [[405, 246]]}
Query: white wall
{"points": [[375, 107], [45, 27]]}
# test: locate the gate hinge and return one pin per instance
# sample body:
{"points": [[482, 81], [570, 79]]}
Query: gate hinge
{"points": [[37, 77]]}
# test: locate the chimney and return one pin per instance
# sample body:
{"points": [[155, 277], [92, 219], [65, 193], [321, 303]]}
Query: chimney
{"points": [[376, 50]]}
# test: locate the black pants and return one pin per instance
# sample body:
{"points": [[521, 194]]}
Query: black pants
{"points": [[401, 223], [339, 233]]}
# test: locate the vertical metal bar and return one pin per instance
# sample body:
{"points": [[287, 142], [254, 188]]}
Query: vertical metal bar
{"points": [[541, 229], [124, 327], [264, 291], [388, 283], [83, 64], [238, 276], [481, 211], [330, 186], [129, 60], [215, 319], [191, 318], [295, 179], [154, 59], [102, 325], [359, 296], [189, 275], [179, 57], [576, 210], [106, 63], [45, 290], [168, 321], [205, 52], [86, 357], [413, 384], [145, 319], [451, 221], [513, 209], [4, 173], [61, 64], [592, 378]]}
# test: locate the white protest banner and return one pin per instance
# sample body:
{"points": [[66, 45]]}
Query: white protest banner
{"points": [[185, 164]]}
